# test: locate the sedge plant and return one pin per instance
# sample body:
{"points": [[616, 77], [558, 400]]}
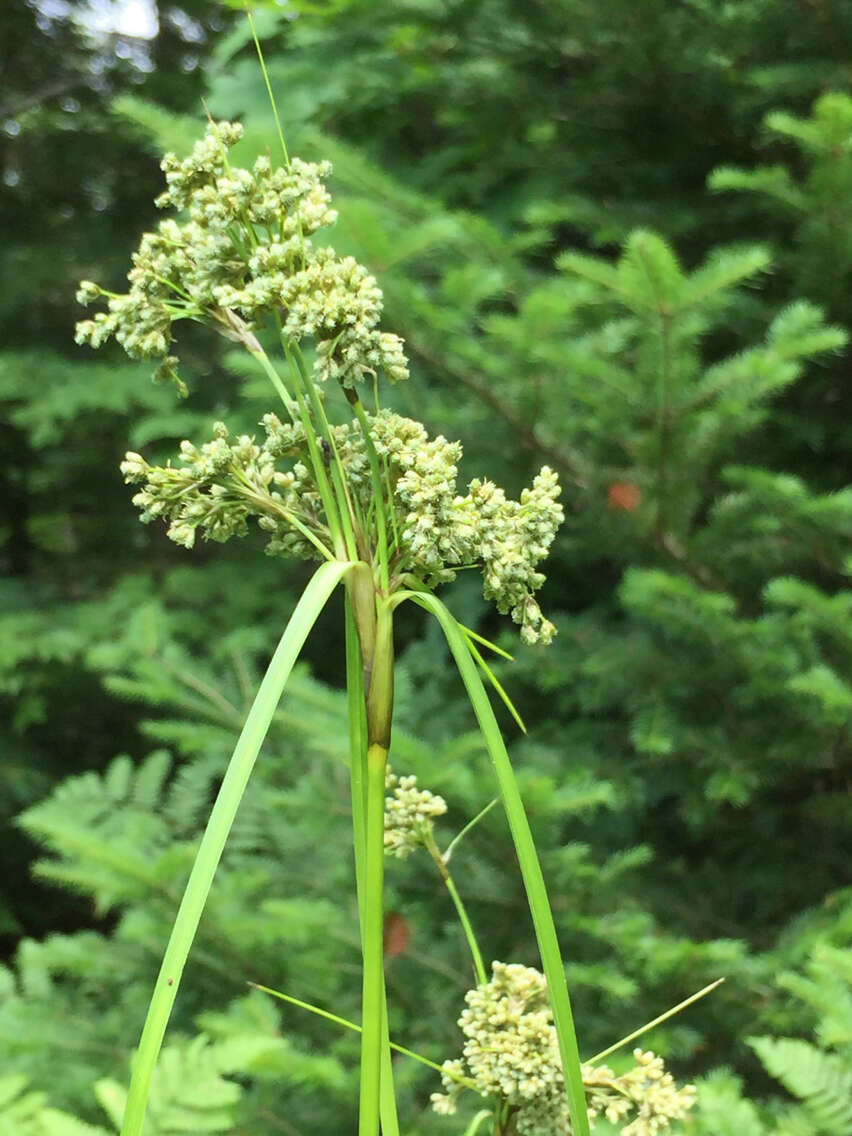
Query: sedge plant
{"points": [[372, 500]]}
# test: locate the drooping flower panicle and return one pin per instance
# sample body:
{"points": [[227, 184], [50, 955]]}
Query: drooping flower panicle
{"points": [[227, 481]]}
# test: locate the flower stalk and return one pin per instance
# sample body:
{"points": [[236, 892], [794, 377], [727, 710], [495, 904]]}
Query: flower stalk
{"points": [[376, 640], [358, 782]]}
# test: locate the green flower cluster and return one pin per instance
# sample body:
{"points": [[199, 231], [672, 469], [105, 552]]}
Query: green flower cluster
{"points": [[513, 537], [434, 531], [225, 482], [647, 1092], [242, 256], [410, 814], [242, 261], [511, 1052]]}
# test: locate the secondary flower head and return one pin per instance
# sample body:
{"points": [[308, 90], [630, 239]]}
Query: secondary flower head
{"points": [[511, 1051], [243, 258], [410, 814]]}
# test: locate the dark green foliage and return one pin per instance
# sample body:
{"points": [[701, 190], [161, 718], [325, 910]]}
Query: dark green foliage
{"points": [[76, 186], [689, 756], [817, 1075], [808, 202], [604, 117], [802, 201]]}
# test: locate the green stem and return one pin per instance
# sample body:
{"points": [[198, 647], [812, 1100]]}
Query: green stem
{"points": [[372, 999], [478, 965], [338, 520], [357, 746], [378, 492], [341, 535], [345, 511], [313, 600], [349, 508], [461, 911], [379, 707], [276, 380], [269, 505], [358, 783]]}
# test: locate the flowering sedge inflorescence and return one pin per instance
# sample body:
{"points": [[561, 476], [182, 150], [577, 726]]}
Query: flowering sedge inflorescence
{"points": [[244, 251], [410, 814], [243, 262], [511, 1053]]}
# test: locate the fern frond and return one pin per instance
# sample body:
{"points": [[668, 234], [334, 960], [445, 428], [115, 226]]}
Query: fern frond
{"points": [[722, 1109], [823, 1081], [188, 1093], [24, 1113]]}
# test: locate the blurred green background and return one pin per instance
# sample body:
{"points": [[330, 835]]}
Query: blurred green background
{"points": [[617, 239]]}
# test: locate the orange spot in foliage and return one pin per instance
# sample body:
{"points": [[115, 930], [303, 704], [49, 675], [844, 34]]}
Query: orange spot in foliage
{"points": [[624, 496], [397, 934]]}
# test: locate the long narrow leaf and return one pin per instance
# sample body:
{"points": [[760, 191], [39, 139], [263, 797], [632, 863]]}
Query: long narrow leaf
{"points": [[492, 678], [466, 1081], [471, 634], [313, 600], [527, 857], [664, 1017]]}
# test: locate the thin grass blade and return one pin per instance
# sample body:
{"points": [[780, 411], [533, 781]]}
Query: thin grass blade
{"points": [[527, 857], [492, 678], [477, 638], [664, 1017], [320, 1013], [313, 600]]}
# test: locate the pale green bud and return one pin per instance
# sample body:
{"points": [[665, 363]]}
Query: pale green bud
{"points": [[410, 814]]}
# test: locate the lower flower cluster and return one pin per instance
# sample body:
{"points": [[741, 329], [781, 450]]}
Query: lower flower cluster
{"points": [[511, 1052]]}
